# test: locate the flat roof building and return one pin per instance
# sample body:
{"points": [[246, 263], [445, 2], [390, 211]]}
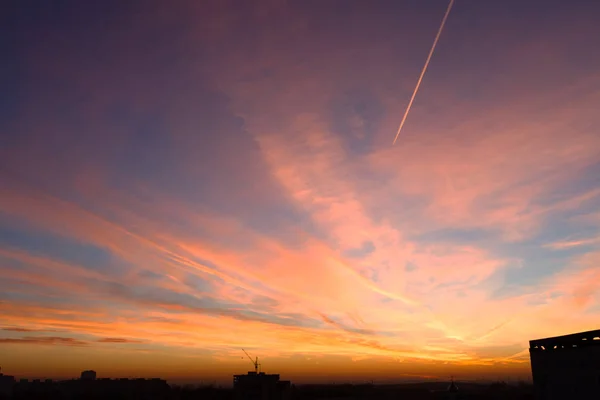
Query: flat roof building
{"points": [[7, 382], [260, 386], [566, 366]]}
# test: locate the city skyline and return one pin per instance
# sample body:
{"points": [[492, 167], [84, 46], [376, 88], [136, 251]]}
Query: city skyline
{"points": [[180, 181]]}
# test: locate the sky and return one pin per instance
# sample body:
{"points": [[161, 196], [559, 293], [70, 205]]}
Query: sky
{"points": [[181, 180]]}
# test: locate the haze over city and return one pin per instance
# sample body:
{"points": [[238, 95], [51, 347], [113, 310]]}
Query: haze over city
{"points": [[181, 180]]}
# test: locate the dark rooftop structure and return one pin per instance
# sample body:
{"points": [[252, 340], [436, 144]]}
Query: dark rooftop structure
{"points": [[88, 375], [260, 386], [566, 366], [88, 387], [6, 384]]}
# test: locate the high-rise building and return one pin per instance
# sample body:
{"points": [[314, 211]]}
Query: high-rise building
{"points": [[566, 367], [260, 386]]}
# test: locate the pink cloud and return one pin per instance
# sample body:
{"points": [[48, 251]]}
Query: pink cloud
{"points": [[567, 244]]}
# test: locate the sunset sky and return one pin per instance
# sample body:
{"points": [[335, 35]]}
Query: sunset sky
{"points": [[183, 179]]}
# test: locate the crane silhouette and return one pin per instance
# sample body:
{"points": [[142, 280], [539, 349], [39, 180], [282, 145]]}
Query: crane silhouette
{"points": [[254, 362]]}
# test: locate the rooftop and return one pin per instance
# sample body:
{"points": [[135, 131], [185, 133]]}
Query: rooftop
{"points": [[582, 339]]}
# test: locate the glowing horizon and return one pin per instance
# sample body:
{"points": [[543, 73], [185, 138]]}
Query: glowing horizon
{"points": [[181, 181]]}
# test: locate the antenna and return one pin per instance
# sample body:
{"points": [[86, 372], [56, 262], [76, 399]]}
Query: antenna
{"points": [[254, 362]]}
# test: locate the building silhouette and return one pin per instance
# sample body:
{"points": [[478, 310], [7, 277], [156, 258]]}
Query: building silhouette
{"points": [[260, 386], [88, 375], [90, 388], [7, 382], [566, 366]]}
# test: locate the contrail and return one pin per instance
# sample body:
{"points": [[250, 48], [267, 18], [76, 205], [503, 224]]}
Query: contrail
{"points": [[437, 37]]}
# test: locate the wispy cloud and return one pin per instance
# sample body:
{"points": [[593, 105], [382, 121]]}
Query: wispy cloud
{"points": [[44, 340], [118, 340], [17, 329], [567, 244]]}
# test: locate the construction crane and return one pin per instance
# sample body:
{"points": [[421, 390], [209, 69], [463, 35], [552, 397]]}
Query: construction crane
{"points": [[254, 362]]}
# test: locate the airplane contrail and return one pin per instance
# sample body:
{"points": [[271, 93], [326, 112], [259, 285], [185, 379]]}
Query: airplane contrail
{"points": [[437, 37]]}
